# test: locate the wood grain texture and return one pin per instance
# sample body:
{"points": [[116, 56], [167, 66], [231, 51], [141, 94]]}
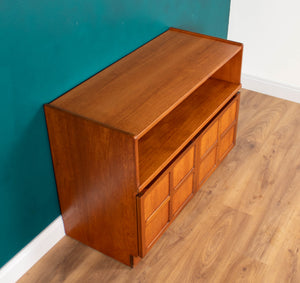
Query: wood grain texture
{"points": [[215, 144], [231, 71], [183, 166], [164, 141], [156, 223], [155, 196], [207, 165], [96, 183], [206, 36], [226, 142], [164, 197], [116, 133], [242, 226], [153, 212], [209, 138], [182, 193], [216, 141], [228, 117], [149, 82], [228, 128]]}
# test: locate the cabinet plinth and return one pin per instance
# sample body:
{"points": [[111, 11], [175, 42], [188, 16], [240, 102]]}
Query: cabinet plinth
{"points": [[132, 145]]}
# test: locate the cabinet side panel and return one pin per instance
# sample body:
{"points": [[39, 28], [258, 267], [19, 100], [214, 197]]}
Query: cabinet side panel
{"points": [[96, 182], [231, 71]]}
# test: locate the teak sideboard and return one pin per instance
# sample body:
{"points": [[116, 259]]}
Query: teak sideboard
{"points": [[133, 144]]}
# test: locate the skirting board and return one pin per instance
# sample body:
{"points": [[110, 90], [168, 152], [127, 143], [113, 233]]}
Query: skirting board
{"points": [[30, 254], [271, 88]]}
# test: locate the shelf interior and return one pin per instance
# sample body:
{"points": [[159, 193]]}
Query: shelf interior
{"points": [[161, 144]]}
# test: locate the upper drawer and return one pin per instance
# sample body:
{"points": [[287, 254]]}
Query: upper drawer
{"points": [[183, 166], [209, 138], [228, 116], [156, 195]]}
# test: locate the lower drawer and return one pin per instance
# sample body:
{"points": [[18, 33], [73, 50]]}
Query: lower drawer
{"points": [[226, 142], [155, 225], [154, 210], [161, 202], [182, 193], [207, 165]]}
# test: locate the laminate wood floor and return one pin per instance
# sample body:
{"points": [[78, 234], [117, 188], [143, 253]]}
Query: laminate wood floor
{"points": [[242, 226]]}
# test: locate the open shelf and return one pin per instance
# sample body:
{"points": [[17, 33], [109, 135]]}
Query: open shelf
{"points": [[172, 133]]}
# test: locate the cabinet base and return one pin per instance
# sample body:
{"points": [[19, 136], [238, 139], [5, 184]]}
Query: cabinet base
{"points": [[134, 260]]}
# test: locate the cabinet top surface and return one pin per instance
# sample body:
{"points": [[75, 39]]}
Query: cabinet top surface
{"points": [[136, 92]]}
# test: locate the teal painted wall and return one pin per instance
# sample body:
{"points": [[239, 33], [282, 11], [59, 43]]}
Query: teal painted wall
{"points": [[47, 48]]}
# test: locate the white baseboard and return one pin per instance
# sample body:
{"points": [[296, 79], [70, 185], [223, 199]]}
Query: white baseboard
{"points": [[30, 254], [271, 88]]}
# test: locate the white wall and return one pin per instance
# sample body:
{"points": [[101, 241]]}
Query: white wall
{"points": [[270, 31]]}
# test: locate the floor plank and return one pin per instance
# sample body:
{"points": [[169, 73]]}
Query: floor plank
{"points": [[242, 226]]}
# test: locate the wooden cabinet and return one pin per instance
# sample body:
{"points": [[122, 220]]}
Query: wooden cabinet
{"points": [[133, 144]]}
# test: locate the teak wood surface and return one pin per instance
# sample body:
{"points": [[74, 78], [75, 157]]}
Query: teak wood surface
{"points": [[177, 185], [242, 226], [116, 133], [136, 92], [172, 133], [96, 183], [165, 198], [216, 141]]}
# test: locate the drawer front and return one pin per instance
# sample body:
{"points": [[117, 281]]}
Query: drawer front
{"points": [[226, 142], [183, 166], [228, 116], [209, 138], [155, 196], [156, 223], [182, 193], [207, 165]]}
